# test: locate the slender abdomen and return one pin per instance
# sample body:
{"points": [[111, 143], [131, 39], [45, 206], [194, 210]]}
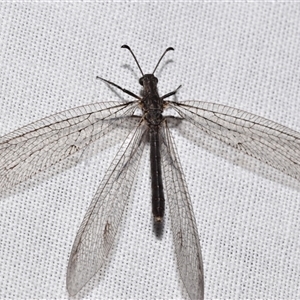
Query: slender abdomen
{"points": [[158, 200]]}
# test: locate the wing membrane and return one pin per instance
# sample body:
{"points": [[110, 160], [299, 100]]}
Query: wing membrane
{"points": [[98, 229], [184, 228], [270, 142], [34, 147]]}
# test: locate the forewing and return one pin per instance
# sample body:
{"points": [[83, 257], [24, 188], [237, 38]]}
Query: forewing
{"points": [[184, 228], [275, 144], [39, 145], [98, 229]]}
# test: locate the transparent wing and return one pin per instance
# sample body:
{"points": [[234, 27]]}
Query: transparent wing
{"points": [[98, 229], [275, 144], [184, 228], [34, 147]]}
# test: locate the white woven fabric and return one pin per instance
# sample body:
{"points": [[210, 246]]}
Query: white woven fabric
{"points": [[242, 55]]}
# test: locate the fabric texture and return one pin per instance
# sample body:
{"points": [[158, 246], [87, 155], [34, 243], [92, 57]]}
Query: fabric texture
{"points": [[242, 55]]}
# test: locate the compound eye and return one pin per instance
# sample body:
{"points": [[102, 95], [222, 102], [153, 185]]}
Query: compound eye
{"points": [[141, 81]]}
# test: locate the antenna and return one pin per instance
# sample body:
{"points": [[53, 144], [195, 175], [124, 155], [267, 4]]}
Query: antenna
{"points": [[127, 47], [168, 49]]}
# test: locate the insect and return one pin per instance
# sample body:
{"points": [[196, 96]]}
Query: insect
{"points": [[37, 146]]}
